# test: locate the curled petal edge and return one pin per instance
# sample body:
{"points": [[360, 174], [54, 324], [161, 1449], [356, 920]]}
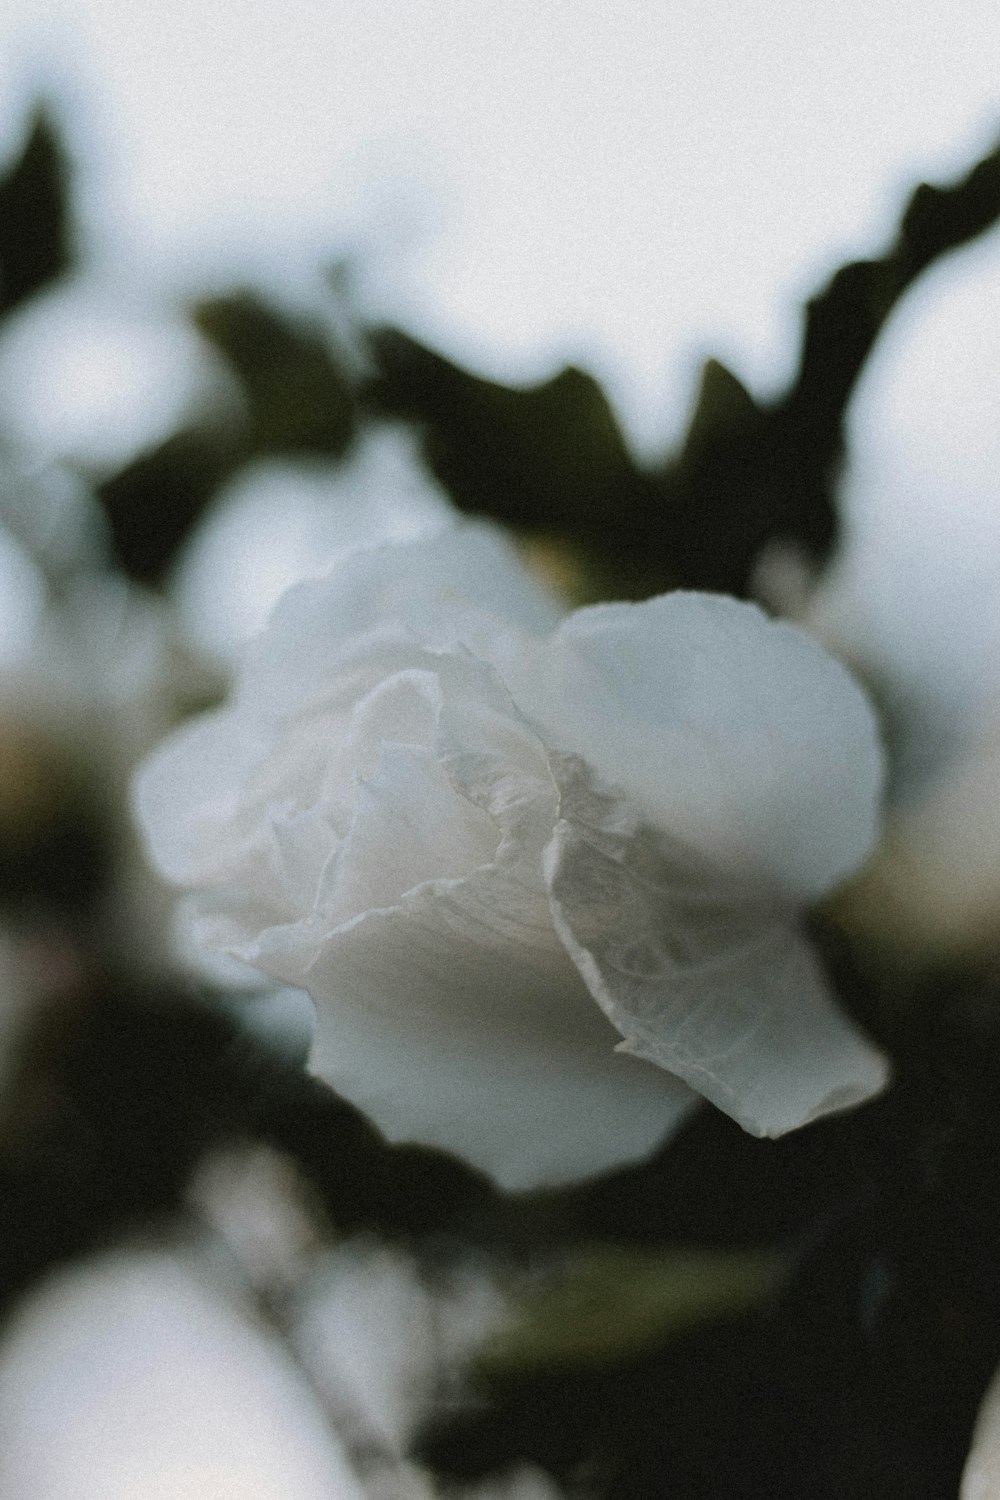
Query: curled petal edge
{"points": [[703, 978]]}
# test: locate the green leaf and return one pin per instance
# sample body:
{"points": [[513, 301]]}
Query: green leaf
{"points": [[548, 458], [153, 503], [299, 397], [611, 1304], [722, 407]]}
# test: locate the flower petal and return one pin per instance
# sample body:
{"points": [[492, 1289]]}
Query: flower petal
{"points": [[410, 826], [734, 732], [451, 587], [699, 977], [452, 1024], [187, 796], [455, 1017]]}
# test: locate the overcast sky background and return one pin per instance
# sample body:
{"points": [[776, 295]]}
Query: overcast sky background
{"points": [[631, 186]]}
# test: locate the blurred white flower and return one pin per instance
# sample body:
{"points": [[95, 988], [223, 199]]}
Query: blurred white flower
{"points": [[981, 1476], [387, 1346], [134, 1377], [459, 824], [932, 892], [22, 600], [383, 1345], [914, 599], [384, 1342], [281, 521], [96, 371], [148, 1374]]}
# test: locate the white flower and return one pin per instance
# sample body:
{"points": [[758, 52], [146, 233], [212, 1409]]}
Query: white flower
{"points": [[383, 1346], [137, 1376], [459, 823]]}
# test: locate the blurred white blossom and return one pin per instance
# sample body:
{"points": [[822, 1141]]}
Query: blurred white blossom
{"points": [[151, 1373], [383, 1345], [459, 823], [281, 521], [136, 1377], [384, 1341], [932, 893], [96, 371], [914, 599]]}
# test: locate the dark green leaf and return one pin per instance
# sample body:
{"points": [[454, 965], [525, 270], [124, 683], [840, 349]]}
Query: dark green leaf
{"points": [[153, 503], [610, 1304], [35, 235], [548, 458], [300, 399]]}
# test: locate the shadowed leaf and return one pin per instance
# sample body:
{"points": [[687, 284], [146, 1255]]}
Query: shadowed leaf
{"points": [[551, 459], [297, 400], [300, 400], [613, 1303], [153, 503], [35, 233], [544, 457]]}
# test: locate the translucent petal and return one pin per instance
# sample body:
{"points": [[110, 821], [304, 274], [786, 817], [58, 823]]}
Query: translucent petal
{"points": [[410, 826], [699, 975], [450, 1028], [455, 1018]]}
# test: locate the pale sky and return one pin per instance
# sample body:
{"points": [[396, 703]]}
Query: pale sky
{"points": [[632, 185]]}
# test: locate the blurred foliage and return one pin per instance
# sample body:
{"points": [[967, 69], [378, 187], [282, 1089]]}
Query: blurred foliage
{"points": [[609, 1303], [35, 216], [297, 399], [862, 1373], [55, 843], [548, 460], [154, 503], [552, 459], [120, 1086]]}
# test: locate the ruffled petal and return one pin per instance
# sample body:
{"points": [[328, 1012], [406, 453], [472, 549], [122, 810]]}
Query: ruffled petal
{"points": [[462, 585], [454, 1017], [443, 803], [698, 975], [410, 826], [382, 820]]}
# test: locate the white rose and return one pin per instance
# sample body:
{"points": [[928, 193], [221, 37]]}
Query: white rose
{"points": [[459, 823]]}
